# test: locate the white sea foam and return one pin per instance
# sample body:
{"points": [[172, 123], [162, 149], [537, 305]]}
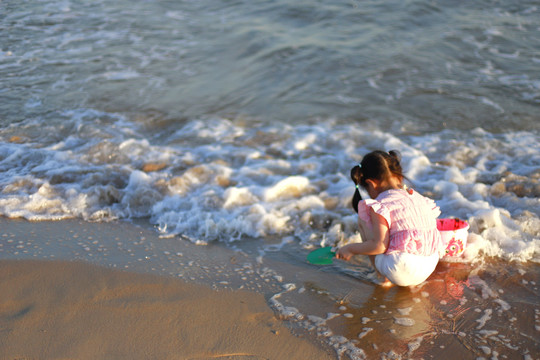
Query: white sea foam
{"points": [[403, 321], [364, 332], [484, 319], [217, 180], [405, 311]]}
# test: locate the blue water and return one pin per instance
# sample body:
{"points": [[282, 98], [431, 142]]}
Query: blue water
{"points": [[414, 65], [227, 120]]}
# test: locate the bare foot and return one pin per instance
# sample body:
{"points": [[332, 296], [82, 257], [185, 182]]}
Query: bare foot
{"points": [[387, 283]]}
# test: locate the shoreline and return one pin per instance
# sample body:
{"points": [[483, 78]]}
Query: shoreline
{"points": [[58, 309], [281, 301], [109, 275]]}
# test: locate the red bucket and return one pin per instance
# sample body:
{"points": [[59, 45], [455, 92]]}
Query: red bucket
{"points": [[454, 234]]}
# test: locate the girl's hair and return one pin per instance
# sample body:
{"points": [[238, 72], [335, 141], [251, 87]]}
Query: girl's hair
{"points": [[377, 165]]}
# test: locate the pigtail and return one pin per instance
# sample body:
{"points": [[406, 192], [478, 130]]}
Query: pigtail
{"points": [[396, 155], [356, 176], [394, 165], [379, 165]]}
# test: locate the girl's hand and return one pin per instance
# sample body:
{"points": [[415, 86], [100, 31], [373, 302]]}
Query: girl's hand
{"points": [[344, 253]]}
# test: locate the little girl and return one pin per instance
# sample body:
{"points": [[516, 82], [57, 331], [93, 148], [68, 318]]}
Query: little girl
{"points": [[398, 227]]}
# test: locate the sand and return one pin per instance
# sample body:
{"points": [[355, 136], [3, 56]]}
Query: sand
{"points": [[62, 298], [61, 310], [76, 290]]}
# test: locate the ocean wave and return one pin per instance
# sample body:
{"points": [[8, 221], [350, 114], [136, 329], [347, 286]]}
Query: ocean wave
{"points": [[219, 180]]}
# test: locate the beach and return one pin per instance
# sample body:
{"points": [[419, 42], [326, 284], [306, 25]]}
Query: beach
{"points": [[166, 168], [73, 309], [73, 290], [53, 310]]}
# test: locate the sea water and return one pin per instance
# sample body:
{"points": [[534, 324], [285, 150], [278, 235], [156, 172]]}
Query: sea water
{"points": [[219, 121], [236, 122]]}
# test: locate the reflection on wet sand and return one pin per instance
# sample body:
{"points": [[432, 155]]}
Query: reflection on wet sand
{"points": [[463, 311]]}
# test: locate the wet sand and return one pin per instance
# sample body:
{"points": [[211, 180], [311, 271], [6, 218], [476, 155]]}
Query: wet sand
{"points": [[61, 310], [62, 298], [80, 290]]}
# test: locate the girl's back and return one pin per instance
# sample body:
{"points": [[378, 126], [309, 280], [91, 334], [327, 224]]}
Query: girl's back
{"points": [[411, 219]]}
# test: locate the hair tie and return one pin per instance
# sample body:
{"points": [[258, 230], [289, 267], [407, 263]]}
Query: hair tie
{"points": [[356, 186], [360, 165]]}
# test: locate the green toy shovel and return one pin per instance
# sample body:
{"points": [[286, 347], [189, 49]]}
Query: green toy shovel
{"points": [[322, 256]]}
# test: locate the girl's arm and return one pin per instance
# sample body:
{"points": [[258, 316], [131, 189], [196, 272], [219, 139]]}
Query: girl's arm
{"points": [[374, 246]]}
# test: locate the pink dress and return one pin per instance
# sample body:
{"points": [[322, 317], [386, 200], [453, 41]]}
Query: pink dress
{"points": [[412, 221]]}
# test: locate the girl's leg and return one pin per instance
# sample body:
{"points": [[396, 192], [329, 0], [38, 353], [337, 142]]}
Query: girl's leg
{"points": [[386, 282]]}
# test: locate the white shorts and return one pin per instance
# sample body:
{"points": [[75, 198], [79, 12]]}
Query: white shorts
{"points": [[405, 269]]}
